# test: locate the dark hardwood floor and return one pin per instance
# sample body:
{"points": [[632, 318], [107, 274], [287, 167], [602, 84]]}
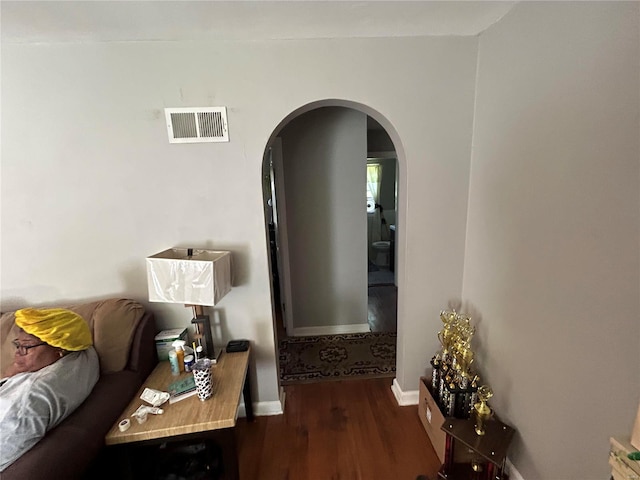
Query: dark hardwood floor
{"points": [[342, 430], [382, 307]]}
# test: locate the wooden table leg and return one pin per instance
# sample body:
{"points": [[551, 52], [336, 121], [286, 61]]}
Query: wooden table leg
{"points": [[246, 394], [230, 463]]}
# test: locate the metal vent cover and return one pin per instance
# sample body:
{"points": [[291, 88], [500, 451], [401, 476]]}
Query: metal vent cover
{"points": [[197, 125]]}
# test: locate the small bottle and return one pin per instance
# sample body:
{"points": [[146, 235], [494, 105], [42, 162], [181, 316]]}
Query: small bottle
{"points": [[173, 360], [179, 346], [199, 353], [188, 362]]}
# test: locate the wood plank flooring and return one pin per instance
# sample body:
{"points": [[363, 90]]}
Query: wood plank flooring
{"points": [[342, 430], [382, 308]]}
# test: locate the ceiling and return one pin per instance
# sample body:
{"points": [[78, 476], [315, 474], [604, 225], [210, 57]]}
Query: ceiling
{"points": [[110, 21]]}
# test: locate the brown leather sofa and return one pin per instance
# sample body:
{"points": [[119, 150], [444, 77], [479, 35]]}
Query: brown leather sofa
{"points": [[123, 334]]}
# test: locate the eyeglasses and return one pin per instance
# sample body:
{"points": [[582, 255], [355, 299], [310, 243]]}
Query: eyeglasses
{"points": [[24, 349]]}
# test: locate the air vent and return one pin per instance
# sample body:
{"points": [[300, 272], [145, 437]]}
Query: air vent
{"points": [[197, 125]]}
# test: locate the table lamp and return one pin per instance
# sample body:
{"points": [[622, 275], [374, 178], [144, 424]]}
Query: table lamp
{"points": [[194, 278]]}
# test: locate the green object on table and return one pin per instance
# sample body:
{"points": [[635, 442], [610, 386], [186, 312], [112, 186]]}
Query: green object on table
{"points": [[634, 456], [183, 385]]}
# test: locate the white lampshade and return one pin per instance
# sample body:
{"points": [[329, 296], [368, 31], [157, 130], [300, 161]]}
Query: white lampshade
{"points": [[200, 279]]}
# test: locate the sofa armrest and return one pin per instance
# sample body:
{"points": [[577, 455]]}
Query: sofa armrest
{"points": [[143, 357], [67, 450]]}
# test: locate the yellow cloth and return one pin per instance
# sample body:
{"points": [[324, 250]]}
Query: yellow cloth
{"points": [[58, 327]]}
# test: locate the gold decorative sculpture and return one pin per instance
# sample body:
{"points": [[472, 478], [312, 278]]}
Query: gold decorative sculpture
{"points": [[447, 334], [482, 411], [453, 382]]}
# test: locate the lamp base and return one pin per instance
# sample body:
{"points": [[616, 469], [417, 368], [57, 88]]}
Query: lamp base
{"points": [[216, 355], [203, 326]]}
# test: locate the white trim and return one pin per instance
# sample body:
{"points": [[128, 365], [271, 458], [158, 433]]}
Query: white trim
{"points": [[513, 473], [262, 409], [283, 397], [331, 330], [282, 235], [404, 398]]}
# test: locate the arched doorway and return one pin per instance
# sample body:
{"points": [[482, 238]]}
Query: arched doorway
{"points": [[320, 237]]}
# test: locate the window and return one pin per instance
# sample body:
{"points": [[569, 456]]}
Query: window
{"points": [[373, 185]]}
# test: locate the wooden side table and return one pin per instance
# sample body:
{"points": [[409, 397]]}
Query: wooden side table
{"points": [[622, 467], [469, 456], [191, 418]]}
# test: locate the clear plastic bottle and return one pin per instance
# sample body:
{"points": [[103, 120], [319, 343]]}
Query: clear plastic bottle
{"points": [[173, 360], [179, 346]]}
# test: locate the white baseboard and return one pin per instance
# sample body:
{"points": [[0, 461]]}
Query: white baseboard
{"points": [[513, 473], [410, 397], [283, 397], [262, 409], [331, 330]]}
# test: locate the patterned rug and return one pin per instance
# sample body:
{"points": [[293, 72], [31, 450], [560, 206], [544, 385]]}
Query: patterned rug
{"points": [[335, 357]]}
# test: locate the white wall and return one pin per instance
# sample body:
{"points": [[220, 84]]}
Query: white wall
{"points": [[90, 185], [324, 159], [551, 265]]}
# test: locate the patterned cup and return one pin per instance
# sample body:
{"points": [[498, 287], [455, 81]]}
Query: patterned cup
{"points": [[202, 376]]}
